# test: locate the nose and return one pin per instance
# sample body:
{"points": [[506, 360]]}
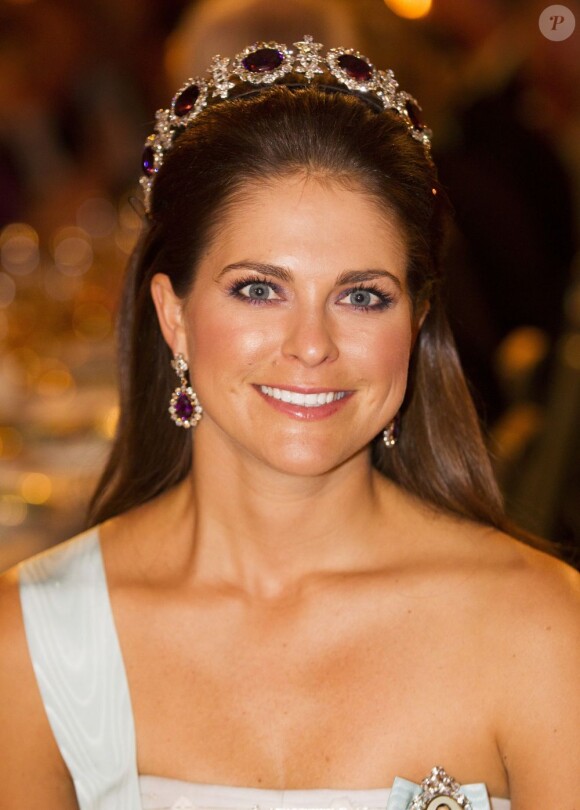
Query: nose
{"points": [[309, 338]]}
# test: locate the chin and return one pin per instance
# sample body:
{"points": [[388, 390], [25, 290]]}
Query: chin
{"points": [[310, 463]]}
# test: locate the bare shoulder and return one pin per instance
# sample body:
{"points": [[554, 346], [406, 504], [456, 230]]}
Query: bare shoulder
{"points": [[532, 604], [533, 600], [31, 768], [516, 581], [522, 626], [532, 588], [529, 598]]}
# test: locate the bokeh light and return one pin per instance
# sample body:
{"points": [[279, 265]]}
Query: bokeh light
{"points": [[13, 510], [410, 9], [19, 253], [73, 252], [55, 381], [36, 488]]}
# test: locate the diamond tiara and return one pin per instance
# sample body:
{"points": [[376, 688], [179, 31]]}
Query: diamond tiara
{"points": [[264, 63]]}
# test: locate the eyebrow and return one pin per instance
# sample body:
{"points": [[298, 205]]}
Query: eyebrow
{"points": [[357, 276], [284, 274]]}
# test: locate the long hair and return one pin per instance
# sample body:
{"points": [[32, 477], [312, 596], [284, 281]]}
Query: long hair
{"points": [[440, 456]]}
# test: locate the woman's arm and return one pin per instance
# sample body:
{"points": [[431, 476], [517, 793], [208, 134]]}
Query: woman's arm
{"points": [[540, 731], [32, 771]]}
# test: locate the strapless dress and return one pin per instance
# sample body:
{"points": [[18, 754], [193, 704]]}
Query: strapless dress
{"points": [[167, 794]]}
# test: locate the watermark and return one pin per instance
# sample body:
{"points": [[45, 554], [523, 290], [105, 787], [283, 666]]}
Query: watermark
{"points": [[557, 23]]}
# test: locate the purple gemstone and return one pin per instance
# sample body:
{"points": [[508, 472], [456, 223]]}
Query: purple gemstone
{"points": [[148, 160], [355, 67], [263, 60], [185, 101], [414, 112], [183, 407]]}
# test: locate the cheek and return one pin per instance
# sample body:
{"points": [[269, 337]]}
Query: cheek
{"points": [[226, 340], [382, 351]]}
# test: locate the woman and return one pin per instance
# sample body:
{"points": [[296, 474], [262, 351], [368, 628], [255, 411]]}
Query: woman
{"points": [[298, 593]]}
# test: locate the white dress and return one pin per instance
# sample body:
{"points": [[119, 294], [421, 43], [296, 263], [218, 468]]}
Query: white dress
{"points": [[78, 664]]}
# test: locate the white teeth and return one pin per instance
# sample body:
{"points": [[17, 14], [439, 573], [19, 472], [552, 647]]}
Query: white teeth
{"points": [[304, 400]]}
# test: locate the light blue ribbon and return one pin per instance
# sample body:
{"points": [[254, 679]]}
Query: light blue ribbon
{"points": [[403, 792]]}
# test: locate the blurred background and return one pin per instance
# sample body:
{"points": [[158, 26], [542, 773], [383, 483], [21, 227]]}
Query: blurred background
{"points": [[80, 81]]}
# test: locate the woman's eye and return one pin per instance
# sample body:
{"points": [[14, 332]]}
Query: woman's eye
{"points": [[366, 299], [362, 298], [258, 291]]}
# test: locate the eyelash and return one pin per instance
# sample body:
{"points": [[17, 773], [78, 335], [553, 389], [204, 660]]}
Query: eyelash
{"points": [[237, 286], [385, 299]]}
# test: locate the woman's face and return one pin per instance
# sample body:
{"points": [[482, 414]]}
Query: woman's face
{"points": [[298, 327]]}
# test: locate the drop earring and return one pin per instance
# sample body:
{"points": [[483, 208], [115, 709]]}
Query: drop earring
{"points": [[391, 433], [184, 407]]}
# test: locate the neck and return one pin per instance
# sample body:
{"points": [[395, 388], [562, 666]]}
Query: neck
{"points": [[266, 531]]}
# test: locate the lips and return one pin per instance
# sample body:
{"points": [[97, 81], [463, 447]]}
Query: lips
{"points": [[304, 403], [304, 400]]}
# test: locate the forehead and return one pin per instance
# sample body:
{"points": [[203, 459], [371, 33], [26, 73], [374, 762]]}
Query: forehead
{"points": [[308, 220]]}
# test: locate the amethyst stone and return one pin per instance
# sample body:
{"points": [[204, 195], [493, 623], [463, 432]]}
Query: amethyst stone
{"points": [[414, 113], [183, 407], [185, 101], [148, 161], [263, 60], [355, 67]]}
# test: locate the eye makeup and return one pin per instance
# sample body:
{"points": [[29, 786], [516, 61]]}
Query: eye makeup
{"points": [[259, 289], [255, 296]]}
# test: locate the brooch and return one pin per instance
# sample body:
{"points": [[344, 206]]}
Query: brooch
{"points": [[439, 791]]}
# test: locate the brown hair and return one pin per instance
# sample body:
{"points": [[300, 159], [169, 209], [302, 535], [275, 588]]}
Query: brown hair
{"points": [[440, 455]]}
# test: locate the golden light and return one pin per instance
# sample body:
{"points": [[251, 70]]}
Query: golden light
{"points": [[521, 350], [108, 425], [19, 253], [36, 488], [410, 9], [12, 510], [72, 250], [54, 382]]}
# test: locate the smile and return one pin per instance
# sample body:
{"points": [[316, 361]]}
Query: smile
{"points": [[302, 400]]}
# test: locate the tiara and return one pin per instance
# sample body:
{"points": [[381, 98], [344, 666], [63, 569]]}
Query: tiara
{"points": [[265, 63]]}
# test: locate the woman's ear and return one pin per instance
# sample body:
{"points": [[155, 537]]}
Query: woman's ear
{"points": [[169, 313]]}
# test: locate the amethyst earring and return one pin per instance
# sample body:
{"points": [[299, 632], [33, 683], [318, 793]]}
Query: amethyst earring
{"points": [[391, 433], [184, 407]]}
